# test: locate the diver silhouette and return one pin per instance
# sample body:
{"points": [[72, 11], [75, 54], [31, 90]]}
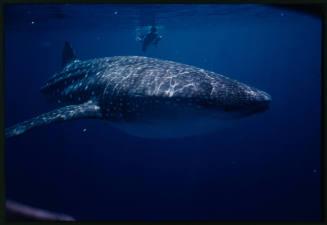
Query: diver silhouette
{"points": [[151, 37]]}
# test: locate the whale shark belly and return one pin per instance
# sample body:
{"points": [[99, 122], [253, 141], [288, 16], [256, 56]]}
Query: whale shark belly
{"points": [[172, 122], [173, 129]]}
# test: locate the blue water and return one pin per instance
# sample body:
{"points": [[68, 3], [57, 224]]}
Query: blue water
{"points": [[265, 167]]}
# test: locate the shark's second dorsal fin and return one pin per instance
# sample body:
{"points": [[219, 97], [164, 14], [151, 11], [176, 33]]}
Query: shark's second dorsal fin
{"points": [[68, 54], [71, 112]]}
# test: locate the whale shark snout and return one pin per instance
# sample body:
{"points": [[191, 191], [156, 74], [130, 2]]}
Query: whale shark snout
{"points": [[239, 100], [259, 104], [263, 100], [263, 97]]}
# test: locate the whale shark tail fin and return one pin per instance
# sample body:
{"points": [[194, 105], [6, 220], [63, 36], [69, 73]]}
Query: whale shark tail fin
{"points": [[71, 112], [68, 54]]}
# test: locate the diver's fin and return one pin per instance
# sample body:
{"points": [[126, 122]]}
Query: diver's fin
{"points": [[68, 54], [71, 112]]}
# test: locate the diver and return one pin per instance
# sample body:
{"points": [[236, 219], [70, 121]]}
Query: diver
{"points": [[151, 37]]}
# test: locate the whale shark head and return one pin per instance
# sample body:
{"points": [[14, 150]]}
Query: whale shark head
{"points": [[237, 100], [207, 94]]}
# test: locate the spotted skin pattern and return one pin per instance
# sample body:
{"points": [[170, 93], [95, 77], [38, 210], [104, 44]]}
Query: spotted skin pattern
{"points": [[135, 89], [71, 112]]}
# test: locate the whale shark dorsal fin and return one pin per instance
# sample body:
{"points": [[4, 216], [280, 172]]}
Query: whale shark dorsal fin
{"points": [[71, 112], [68, 54]]}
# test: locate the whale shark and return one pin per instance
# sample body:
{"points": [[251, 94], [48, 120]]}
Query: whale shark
{"points": [[145, 97]]}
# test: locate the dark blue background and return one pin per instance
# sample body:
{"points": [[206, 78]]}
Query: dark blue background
{"points": [[266, 167]]}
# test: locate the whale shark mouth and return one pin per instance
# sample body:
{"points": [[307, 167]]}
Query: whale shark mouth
{"points": [[257, 108], [261, 108], [261, 104]]}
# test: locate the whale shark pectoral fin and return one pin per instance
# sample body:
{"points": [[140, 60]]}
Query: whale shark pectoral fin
{"points": [[71, 112]]}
